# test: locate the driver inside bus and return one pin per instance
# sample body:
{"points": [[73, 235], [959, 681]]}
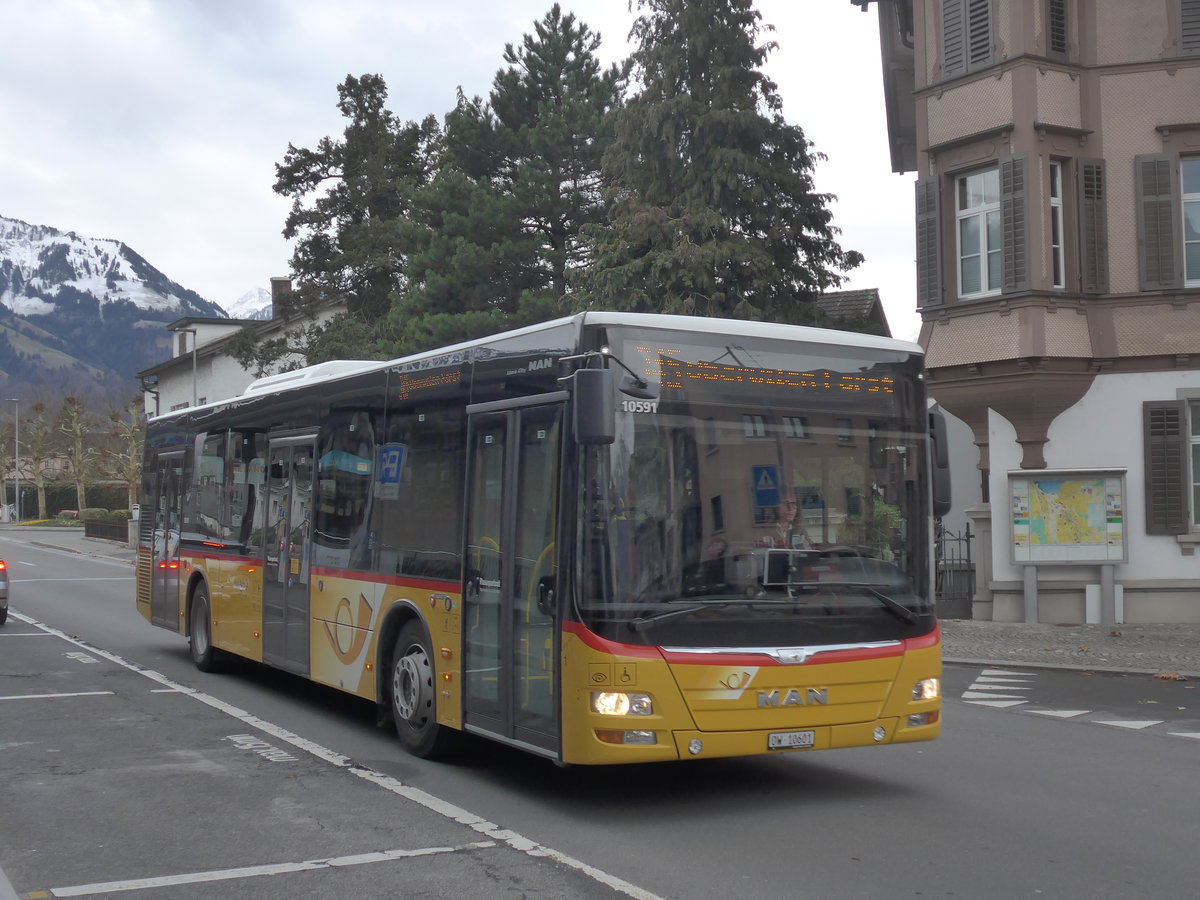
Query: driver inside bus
{"points": [[790, 534]]}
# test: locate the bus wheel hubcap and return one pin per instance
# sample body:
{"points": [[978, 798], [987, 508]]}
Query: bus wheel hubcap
{"points": [[411, 685]]}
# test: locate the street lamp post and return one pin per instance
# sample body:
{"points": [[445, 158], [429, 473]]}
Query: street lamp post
{"points": [[17, 453]]}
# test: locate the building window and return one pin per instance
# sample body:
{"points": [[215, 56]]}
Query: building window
{"points": [[795, 426], [966, 36], [1057, 257], [977, 217], [718, 513], [754, 426], [1171, 434], [845, 431], [1194, 441], [1189, 170], [1056, 27], [1189, 27]]}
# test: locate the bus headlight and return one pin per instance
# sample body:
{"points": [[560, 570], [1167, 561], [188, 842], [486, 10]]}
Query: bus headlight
{"points": [[616, 703], [927, 689]]}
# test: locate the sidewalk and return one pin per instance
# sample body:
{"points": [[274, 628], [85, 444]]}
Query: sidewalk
{"points": [[69, 538], [1148, 649]]}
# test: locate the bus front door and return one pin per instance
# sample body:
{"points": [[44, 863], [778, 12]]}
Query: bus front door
{"points": [[509, 594], [287, 553], [164, 558]]}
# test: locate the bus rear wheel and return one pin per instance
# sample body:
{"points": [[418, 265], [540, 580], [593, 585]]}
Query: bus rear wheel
{"points": [[204, 655], [414, 697]]}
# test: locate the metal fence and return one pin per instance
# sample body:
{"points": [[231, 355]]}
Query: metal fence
{"points": [[954, 586], [106, 529]]}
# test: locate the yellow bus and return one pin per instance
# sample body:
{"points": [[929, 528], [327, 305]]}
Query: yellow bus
{"points": [[610, 538]]}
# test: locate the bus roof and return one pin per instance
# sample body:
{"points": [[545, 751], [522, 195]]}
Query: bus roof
{"points": [[336, 369]]}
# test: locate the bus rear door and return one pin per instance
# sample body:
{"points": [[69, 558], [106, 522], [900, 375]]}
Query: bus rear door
{"points": [[164, 558], [509, 595]]}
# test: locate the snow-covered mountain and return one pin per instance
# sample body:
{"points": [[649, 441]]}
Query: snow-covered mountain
{"points": [[39, 265], [254, 304], [80, 313]]}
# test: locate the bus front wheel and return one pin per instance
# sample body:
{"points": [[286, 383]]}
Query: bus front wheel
{"points": [[414, 699]]}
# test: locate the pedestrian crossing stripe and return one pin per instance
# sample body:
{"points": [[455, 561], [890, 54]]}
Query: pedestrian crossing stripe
{"points": [[1136, 725], [990, 695], [1186, 734], [998, 704], [1060, 713]]}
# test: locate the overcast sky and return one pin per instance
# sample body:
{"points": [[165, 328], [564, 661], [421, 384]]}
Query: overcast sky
{"points": [[159, 122]]}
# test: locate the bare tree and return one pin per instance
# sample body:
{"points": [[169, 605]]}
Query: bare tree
{"points": [[127, 428], [38, 450], [73, 421]]}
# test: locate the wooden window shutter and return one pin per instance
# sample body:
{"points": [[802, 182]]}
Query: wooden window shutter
{"points": [[929, 262], [1093, 227], [954, 41], [1189, 27], [1164, 425], [1158, 201], [979, 34], [1014, 218], [1056, 27]]}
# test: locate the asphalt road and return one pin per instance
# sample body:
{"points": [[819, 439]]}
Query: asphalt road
{"points": [[255, 783]]}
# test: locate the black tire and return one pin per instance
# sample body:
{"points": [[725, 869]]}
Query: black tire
{"points": [[413, 690], [3, 614], [204, 655]]}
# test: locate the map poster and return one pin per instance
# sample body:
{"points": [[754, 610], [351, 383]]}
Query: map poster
{"points": [[1068, 517]]}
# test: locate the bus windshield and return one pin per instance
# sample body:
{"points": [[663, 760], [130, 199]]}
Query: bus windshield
{"points": [[762, 494]]}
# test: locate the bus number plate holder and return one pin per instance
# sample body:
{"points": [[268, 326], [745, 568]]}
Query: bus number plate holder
{"points": [[791, 740]]}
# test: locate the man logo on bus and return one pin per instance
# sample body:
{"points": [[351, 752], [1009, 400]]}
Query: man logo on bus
{"points": [[794, 697]]}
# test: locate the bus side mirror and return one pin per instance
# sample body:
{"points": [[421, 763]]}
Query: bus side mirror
{"points": [[939, 461], [595, 417]]}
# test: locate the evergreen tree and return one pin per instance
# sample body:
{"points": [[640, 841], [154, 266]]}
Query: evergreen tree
{"points": [[350, 201], [714, 208], [520, 178]]}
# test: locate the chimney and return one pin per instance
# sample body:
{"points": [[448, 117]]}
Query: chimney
{"points": [[281, 287]]}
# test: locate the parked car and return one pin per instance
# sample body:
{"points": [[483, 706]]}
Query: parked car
{"points": [[3, 592]]}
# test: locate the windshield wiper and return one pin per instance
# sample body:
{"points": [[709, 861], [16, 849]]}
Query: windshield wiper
{"points": [[641, 623], [892, 606]]}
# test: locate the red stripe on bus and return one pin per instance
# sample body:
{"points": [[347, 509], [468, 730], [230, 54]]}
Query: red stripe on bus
{"points": [[932, 639], [430, 584], [604, 645]]}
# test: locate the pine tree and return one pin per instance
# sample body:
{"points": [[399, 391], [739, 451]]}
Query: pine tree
{"points": [[351, 199], [714, 207], [519, 179]]}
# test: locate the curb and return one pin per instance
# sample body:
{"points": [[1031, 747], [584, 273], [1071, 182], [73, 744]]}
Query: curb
{"points": [[1064, 667]]}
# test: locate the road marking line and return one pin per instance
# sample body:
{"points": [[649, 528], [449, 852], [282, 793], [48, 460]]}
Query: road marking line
{"points": [[416, 795], [1186, 734], [996, 679], [53, 696], [69, 580], [1059, 713], [990, 695], [998, 704], [1146, 723], [1004, 672], [106, 887]]}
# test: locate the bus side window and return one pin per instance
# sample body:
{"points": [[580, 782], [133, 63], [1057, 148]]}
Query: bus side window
{"points": [[209, 486]]}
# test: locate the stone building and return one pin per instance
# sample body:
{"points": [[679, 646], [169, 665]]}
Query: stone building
{"points": [[1056, 145]]}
